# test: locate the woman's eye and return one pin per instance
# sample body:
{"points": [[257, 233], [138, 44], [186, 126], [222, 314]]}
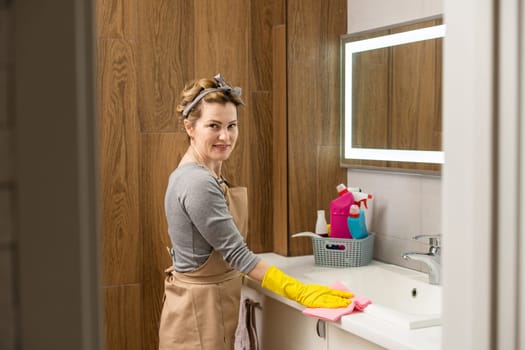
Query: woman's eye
{"points": [[214, 126], [232, 126]]}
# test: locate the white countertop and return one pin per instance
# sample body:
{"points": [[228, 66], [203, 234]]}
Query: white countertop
{"points": [[367, 326]]}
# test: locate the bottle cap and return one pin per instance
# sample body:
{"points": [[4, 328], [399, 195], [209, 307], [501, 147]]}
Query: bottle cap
{"points": [[341, 189], [354, 211]]}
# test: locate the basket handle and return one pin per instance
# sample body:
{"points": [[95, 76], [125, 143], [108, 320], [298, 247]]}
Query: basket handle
{"points": [[306, 234], [332, 247]]}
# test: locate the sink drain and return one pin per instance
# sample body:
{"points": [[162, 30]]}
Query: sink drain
{"points": [[414, 292]]}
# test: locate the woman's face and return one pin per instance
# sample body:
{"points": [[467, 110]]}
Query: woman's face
{"points": [[214, 134]]}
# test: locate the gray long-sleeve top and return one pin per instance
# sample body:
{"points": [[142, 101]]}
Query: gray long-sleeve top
{"points": [[199, 221]]}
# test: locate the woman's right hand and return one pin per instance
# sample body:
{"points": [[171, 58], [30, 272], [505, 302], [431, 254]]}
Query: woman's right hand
{"points": [[309, 295]]}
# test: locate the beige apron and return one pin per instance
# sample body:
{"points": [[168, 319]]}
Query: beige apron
{"points": [[201, 307]]}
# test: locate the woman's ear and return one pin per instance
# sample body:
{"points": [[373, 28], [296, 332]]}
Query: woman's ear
{"points": [[188, 126]]}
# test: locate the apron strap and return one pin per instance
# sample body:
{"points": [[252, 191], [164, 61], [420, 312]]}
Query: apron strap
{"points": [[237, 201]]}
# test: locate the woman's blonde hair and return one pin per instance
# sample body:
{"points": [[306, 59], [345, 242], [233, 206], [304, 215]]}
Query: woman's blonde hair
{"points": [[208, 90]]}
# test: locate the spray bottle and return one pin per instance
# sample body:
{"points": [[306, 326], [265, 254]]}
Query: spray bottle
{"points": [[356, 222], [361, 198], [339, 209]]}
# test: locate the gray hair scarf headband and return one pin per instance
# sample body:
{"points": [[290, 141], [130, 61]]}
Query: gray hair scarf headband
{"points": [[222, 87]]}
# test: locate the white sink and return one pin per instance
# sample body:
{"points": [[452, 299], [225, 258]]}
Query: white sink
{"points": [[401, 296]]}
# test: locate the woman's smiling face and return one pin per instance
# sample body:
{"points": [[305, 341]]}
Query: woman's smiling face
{"points": [[214, 134]]}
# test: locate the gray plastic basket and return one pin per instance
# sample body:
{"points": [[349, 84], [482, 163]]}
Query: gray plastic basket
{"points": [[340, 252]]}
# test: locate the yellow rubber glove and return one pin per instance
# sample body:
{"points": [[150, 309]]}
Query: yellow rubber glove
{"points": [[310, 295]]}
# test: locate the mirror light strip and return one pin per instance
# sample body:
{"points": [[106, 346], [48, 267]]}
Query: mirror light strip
{"points": [[396, 39], [395, 155]]}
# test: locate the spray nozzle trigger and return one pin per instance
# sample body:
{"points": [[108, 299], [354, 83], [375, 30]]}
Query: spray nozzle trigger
{"points": [[361, 198]]}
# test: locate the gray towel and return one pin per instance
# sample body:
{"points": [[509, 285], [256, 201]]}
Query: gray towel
{"points": [[246, 333]]}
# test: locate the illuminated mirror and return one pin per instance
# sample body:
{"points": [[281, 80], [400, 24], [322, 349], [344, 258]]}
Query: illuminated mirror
{"points": [[391, 97]]}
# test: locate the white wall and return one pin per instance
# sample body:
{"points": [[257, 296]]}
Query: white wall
{"points": [[404, 205], [369, 14], [468, 178]]}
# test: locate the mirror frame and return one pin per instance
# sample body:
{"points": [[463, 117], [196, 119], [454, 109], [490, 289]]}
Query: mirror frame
{"points": [[348, 46]]}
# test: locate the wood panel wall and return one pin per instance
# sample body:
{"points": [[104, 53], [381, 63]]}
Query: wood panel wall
{"points": [[289, 128], [147, 51], [313, 31], [280, 141]]}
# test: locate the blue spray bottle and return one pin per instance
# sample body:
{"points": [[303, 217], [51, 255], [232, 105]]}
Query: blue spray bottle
{"points": [[356, 222], [361, 199]]}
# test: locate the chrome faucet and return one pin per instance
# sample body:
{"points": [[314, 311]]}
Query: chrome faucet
{"points": [[432, 258]]}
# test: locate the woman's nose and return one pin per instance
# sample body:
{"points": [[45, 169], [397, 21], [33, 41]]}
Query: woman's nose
{"points": [[224, 135]]}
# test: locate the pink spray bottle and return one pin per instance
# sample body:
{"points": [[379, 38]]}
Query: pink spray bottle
{"points": [[339, 209]]}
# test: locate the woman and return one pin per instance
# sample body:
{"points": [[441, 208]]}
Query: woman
{"points": [[206, 219]]}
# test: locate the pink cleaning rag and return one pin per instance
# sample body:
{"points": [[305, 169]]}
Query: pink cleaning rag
{"points": [[358, 303]]}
